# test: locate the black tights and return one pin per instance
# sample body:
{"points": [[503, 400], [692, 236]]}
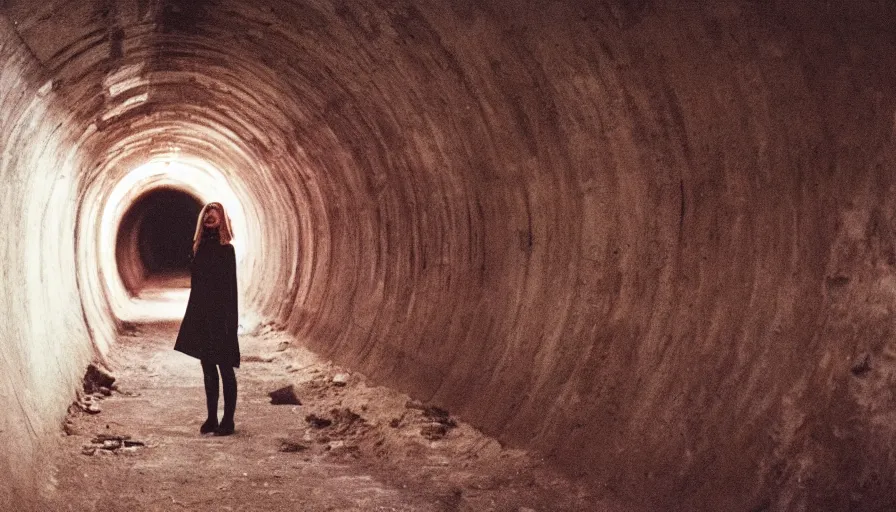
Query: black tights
{"points": [[228, 377]]}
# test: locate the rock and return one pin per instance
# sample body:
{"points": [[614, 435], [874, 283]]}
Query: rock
{"points": [[439, 416], [318, 422], [340, 379], [107, 442], [96, 377], [114, 442], [88, 450], [283, 345], [434, 431], [99, 438], [339, 447], [436, 413], [526, 509], [395, 423], [291, 447], [285, 396], [88, 405], [257, 358], [345, 418], [105, 391]]}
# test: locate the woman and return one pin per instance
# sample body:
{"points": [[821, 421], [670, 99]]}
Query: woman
{"points": [[208, 330]]}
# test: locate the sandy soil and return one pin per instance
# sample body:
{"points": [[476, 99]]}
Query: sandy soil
{"points": [[373, 456]]}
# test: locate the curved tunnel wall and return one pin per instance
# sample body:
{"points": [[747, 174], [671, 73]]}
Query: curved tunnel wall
{"points": [[654, 243], [43, 336]]}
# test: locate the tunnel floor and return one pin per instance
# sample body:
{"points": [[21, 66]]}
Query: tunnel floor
{"points": [[372, 457]]}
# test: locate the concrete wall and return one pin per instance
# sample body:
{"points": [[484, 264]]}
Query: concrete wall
{"points": [[652, 241], [44, 344]]}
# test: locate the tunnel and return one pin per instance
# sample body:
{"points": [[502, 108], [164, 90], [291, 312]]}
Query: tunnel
{"points": [[651, 241], [154, 240]]}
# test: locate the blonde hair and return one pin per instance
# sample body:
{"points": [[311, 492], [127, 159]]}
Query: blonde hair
{"points": [[225, 232]]}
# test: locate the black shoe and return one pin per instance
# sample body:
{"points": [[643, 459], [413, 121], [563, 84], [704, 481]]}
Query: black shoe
{"points": [[210, 425], [224, 429]]}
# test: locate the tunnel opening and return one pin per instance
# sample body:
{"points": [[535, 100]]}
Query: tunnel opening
{"points": [[154, 240]]}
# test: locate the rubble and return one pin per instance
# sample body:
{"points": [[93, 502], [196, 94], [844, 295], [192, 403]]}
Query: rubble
{"points": [[438, 421], [96, 378], [89, 404], [111, 443], [434, 431], [318, 422], [291, 447], [340, 447], [346, 421], [440, 416], [253, 358], [285, 396]]}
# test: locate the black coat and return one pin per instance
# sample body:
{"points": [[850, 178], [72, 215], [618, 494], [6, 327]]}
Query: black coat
{"points": [[208, 330]]}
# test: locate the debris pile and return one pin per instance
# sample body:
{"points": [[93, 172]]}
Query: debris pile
{"points": [[317, 422], [437, 421], [89, 404], [338, 432], [112, 444], [98, 380], [98, 383]]}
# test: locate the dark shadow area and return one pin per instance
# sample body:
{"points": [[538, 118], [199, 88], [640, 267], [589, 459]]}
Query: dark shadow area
{"points": [[154, 239]]}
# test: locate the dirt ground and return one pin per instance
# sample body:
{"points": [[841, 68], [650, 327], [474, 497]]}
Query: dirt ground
{"points": [[380, 451]]}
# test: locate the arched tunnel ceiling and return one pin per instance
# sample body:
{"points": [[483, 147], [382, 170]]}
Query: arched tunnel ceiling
{"points": [[651, 241]]}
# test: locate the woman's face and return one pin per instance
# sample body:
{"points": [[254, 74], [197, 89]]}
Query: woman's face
{"points": [[212, 218]]}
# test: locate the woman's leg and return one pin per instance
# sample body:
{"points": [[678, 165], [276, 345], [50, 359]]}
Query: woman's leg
{"points": [[228, 379], [210, 377]]}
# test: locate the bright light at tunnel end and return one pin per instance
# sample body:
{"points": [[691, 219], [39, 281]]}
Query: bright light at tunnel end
{"points": [[193, 176]]}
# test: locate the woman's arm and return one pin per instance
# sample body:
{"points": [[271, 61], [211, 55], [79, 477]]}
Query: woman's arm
{"points": [[232, 310]]}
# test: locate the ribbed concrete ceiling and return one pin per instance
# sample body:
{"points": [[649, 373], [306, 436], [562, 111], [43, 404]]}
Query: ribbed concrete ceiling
{"points": [[654, 242]]}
